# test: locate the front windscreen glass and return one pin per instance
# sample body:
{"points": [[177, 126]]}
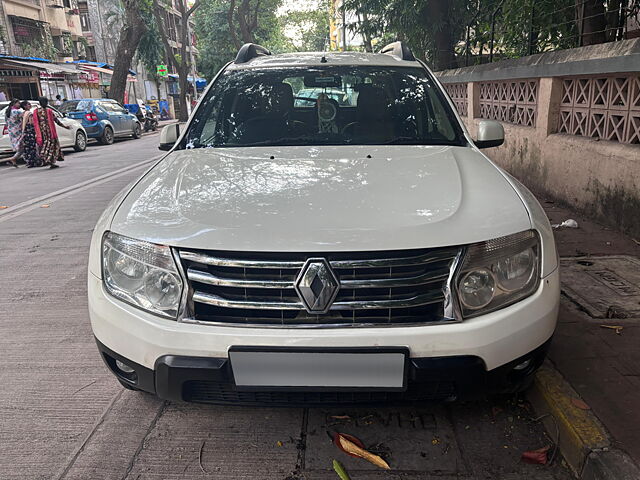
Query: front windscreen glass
{"points": [[348, 105]]}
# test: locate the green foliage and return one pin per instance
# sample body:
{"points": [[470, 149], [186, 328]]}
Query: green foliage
{"points": [[215, 45], [150, 49], [310, 28], [522, 26], [412, 21]]}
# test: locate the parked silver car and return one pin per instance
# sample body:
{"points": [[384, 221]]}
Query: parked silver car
{"points": [[75, 137]]}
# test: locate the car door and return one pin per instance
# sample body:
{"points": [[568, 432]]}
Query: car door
{"points": [[114, 113], [65, 137], [125, 118]]}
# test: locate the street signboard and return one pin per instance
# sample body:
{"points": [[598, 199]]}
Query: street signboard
{"points": [[162, 71]]}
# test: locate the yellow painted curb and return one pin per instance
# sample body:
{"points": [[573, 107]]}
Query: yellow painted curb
{"points": [[578, 429]]}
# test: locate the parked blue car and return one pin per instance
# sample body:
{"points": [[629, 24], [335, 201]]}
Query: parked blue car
{"points": [[103, 119]]}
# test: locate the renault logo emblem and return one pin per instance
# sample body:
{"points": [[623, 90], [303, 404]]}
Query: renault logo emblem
{"points": [[317, 285]]}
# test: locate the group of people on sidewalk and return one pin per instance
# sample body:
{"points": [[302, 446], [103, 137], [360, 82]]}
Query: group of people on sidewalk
{"points": [[33, 135]]}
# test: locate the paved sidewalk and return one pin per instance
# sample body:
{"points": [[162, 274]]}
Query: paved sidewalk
{"points": [[600, 289]]}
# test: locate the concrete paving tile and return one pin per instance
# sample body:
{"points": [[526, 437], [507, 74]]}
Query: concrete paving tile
{"points": [[411, 439], [493, 434], [613, 397], [239, 443], [110, 450]]}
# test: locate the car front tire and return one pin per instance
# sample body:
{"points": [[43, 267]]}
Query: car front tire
{"points": [[137, 131], [81, 141], [107, 136]]}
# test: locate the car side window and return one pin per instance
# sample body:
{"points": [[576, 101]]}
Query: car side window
{"points": [[110, 107]]}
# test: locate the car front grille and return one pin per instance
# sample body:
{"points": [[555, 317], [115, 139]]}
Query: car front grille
{"points": [[375, 288], [203, 391]]}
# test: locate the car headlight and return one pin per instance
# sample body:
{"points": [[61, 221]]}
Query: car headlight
{"points": [[141, 273], [498, 272]]}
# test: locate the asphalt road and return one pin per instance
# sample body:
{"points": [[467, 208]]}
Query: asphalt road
{"points": [[63, 416]]}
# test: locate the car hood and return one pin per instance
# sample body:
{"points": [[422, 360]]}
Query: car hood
{"points": [[321, 198]]}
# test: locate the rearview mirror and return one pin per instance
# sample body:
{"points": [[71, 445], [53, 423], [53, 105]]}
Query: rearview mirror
{"points": [[168, 136], [490, 134]]}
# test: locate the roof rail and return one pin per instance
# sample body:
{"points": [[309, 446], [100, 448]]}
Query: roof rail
{"points": [[250, 51], [399, 50]]}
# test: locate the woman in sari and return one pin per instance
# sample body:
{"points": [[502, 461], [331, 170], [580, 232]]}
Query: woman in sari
{"points": [[13, 119], [29, 145], [44, 123]]}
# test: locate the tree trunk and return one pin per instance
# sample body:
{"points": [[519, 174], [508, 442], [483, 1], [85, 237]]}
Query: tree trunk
{"points": [[366, 34], [184, 88], [184, 65], [232, 28], [592, 21], [132, 31], [245, 23], [437, 13]]}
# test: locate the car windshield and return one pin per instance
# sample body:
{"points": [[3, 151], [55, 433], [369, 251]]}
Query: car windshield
{"points": [[346, 105], [75, 106]]}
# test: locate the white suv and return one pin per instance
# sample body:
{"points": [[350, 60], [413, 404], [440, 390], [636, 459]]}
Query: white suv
{"points": [[324, 252]]}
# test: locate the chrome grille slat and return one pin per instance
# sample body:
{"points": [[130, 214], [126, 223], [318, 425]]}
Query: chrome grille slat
{"points": [[375, 288], [257, 304], [230, 262], [359, 263], [397, 282], [209, 279], [270, 304]]}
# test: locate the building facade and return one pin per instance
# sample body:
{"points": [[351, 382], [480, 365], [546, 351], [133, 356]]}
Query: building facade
{"points": [[39, 29], [101, 21]]}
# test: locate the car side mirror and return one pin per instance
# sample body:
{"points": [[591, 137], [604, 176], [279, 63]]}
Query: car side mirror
{"points": [[126, 110], [490, 134], [168, 136]]}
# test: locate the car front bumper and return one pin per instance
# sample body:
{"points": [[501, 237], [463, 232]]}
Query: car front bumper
{"points": [[190, 361]]}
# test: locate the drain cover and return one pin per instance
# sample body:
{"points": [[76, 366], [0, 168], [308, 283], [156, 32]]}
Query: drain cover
{"points": [[606, 287]]}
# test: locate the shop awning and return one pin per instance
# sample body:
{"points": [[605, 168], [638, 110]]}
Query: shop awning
{"points": [[130, 78], [46, 67]]}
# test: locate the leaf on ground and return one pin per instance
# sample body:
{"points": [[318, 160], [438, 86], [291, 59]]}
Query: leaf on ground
{"points": [[538, 457], [342, 473], [44, 205], [2, 207], [580, 404], [617, 328], [350, 447]]}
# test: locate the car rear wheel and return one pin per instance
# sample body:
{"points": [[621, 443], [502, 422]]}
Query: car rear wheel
{"points": [[81, 141], [107, 136], [137, 130]]}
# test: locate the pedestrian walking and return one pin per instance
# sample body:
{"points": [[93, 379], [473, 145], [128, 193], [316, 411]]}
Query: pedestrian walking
{"points": [[29, 144], [44, 122], [13, 119], [58, 101]]}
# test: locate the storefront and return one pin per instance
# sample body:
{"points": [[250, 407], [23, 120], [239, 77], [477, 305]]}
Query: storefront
{"points": [[18, 81], [29, 78]]}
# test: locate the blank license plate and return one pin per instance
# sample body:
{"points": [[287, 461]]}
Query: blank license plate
{"points": [[302, 369]]}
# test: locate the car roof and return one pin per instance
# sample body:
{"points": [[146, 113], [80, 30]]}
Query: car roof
{"points": [[309, 59]]}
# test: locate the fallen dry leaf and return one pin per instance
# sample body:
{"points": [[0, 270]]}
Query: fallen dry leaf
{"points": [[351, 448], [536, 456], [340, 417], [580, 404], [279, 443], [2, 207], [45, 205], [617, 328]]}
